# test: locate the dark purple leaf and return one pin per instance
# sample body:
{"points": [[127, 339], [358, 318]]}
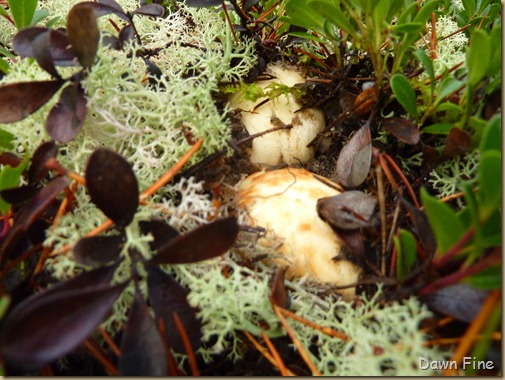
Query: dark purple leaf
{"points": [[98, 250], [404, 130], [203, 3], [42, 53], [460, 301], [112, 185], [155, 10], [49, 325], [167, 296], [126, 34], [66, 118], [41, 201], [353, 239], [353, 163], [457, 144], [142, 349], [83, 33], [18, 100], [19, 194], [422, 228], [30, 212], [279, 295], [161, 231], [348, 211], [200, 244], [61, 52], [42, 154], [105, 7]]}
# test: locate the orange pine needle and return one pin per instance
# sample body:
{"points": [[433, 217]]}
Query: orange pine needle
{"points": [[100, 356], [165, 178], [303, 353], [113, 346], [471, 333], [172, 368], [280, 363], [264, 351], [325, 330], [187, 345]]}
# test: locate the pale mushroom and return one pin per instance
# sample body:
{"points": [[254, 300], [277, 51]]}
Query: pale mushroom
{"points": [[288, 146], [284, 203]]}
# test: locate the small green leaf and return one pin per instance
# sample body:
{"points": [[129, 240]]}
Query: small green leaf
{"points": [[22, 11], [334, 14], [298, 13], [406, 253], [404, 93], [426, 10], [478, 57], [428, 66], [444, 222], [9, 178], [448, 86], [469, 6], [4, 66], [6, 139], [492, 135], [487, 279], [490, 187], [438, 128], [407, 28], [39, 15]]}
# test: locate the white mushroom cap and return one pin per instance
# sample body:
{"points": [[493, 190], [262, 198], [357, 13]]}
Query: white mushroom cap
{"points": [[284, 146], [284, 202]]}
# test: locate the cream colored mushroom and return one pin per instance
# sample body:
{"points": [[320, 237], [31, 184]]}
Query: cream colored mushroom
{"points": [[284, 203], [287, 146]]}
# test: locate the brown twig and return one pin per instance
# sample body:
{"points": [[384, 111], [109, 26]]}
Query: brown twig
{"points": [[187, 344], [275, 354]]}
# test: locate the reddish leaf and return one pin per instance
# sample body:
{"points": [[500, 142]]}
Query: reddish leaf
{"points": [[167, 296], [18, 100], [83, 33], [353, 163], [9, 158], [112, 185], [42, 154], [348, 211], [161, 231], [458, 143], [49, 325], [142, 349], [422, 228], [404, 130], [155, 10], [98, 250], [66, 118], [279, 295], [200, 244], [353, 239]]}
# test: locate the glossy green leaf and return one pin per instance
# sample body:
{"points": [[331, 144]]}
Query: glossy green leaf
{"points": [[406, 253], [448, 86], [426, 10], [478, 56], [438, 128], [428, 66], [487, 279], [9, 178], [334, 14], [6, 139], [444, 222], [490, 186], [495, 40], [4, 66], [22, 11], [469, 7], [492, 135], [298, 13], [407, 28], [404, 93]]}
